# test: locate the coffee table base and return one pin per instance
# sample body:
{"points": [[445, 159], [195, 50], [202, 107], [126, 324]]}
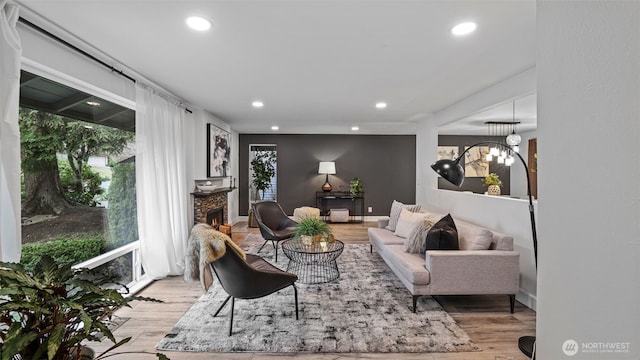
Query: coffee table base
{"points": [[314, 273], [314, 263]]}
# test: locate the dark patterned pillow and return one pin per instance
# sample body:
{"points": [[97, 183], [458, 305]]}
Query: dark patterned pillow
{"points": [[443, 235]]}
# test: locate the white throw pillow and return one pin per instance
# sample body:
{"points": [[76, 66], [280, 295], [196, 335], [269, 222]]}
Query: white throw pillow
{"points": [[407, 222], [416, 242], [394, 215], [481, 240]]}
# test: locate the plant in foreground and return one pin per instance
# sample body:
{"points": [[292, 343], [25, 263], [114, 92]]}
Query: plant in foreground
{"points": [[47, 312]]}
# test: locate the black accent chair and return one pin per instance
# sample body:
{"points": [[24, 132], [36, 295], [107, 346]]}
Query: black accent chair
{"points": [[274, 224], [250, 279]]}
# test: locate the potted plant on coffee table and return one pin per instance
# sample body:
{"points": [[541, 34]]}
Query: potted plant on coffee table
{"points": [[49, 311], [313, 230]]}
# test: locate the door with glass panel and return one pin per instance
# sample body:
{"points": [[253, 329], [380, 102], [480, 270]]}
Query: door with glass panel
{"points": [[263, 173]]}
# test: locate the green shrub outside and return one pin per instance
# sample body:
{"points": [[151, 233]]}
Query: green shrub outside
{"points": [[64, 251], [90, 188], [123, 214]]}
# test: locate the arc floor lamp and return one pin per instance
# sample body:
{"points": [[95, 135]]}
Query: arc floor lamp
{"points": [[453, 172]]}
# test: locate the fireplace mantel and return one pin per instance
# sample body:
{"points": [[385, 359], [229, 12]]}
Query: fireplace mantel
{"points": [[200, 193]]}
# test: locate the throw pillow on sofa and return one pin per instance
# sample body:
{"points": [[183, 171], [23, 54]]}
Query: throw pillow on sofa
{"points": [[416, 242], [394, 215], [481, 240], [407, 222], [443, 235]]}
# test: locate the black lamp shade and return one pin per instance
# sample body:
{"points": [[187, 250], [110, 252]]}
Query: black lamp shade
{"points": [[450, 170]]}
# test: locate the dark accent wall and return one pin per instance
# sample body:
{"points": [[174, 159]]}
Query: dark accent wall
{"points": [[475, 184], [386, 164]]}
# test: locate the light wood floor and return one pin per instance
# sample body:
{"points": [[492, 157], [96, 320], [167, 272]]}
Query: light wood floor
{"points": [[486, 319]]}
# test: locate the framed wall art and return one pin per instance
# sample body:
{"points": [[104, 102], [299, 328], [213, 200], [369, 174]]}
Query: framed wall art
{"points": [[218, 152], [447, 152], [475, 162]]}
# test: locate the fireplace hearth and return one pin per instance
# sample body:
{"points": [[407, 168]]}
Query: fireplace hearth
{"points": [[215, 217]]}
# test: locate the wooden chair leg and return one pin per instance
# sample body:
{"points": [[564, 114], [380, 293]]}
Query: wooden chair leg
{"points": [[512, 303]]}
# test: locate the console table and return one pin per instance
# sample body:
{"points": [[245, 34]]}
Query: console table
{"points": [[341, 199]]}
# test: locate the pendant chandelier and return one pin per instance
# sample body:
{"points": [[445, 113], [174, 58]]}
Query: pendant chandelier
{"points": [[514, 139], [506, 129]]}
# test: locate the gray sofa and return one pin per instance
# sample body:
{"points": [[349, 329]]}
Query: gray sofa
{"points": [[451, 272]]}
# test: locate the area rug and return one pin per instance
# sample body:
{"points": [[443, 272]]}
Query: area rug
{"points": [[366, 310]]}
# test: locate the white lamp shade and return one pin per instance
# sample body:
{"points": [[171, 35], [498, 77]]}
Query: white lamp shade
{"points": [[327, 167]]}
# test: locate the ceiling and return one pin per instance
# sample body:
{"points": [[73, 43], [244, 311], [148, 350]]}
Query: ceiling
{"points": [[318, 66]]}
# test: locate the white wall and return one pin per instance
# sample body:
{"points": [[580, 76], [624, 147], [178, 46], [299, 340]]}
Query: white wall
{"points": [[589, 177], [509, 216], [198, 156]]}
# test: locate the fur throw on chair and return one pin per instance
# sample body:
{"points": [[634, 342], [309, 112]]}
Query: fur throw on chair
{"points": [[205, 245]]}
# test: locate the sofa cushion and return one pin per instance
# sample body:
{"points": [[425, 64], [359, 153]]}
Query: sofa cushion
{"points": [[409, 266], [407, 222], [396, 208], [416, 242], [443, 235], [380, 237]]}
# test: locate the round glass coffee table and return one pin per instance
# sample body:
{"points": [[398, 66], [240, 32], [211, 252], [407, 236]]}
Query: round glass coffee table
{"points": [[314, 263]]}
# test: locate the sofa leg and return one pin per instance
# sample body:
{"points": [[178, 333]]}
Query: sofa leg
{"points": [[512, 302], [415, 301]]}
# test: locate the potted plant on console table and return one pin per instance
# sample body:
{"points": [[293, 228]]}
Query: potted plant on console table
{"points": [[355, 187], [493, 182], [48, 311]]}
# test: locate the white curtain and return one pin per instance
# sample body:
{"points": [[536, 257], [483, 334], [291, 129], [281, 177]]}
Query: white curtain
{"points": [[162, 194], [10, 54]]}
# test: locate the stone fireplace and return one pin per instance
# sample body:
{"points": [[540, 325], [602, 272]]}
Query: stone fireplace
{"points": [[210, 205]]}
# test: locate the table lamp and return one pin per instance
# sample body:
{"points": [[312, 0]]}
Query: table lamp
{"points": [[327, 167]]}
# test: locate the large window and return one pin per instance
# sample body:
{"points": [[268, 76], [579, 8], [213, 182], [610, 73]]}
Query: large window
{"points": [[78, 178]]}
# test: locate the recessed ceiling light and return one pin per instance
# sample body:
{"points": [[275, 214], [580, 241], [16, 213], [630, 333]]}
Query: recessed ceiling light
{"points": [[355, 128], [93, 103], [257, 104], [464, 28], [381, 105], [275, 127], [198, 23]]}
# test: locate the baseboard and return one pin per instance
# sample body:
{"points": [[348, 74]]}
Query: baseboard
{"points": [[245, 218], [376, 217], [527, 299]]}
